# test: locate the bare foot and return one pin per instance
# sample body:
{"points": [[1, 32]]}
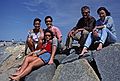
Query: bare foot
{"points": [[84, 51], [14, 78], [100, 46], [15, 74], [18, 69]]}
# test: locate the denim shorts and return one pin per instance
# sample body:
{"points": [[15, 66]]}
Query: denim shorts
{"points": [[45, 57]]}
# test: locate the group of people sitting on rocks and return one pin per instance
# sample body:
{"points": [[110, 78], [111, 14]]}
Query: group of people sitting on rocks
{"points": [[44, 43]]}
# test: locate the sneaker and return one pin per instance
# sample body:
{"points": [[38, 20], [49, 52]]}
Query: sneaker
{"points": [[20, 56], [96, 42]]}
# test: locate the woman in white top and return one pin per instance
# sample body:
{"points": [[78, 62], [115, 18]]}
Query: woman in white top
{"points": [[35, 36]]}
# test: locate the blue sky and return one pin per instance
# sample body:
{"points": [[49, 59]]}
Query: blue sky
{"points": [[16, 16]]}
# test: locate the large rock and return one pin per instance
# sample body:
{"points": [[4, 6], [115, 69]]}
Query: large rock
{"points": [[108, 62], [60, 57], [3, 55], [9, 65], [71, 68], [78, 70], [70, 58], [45, 73]]}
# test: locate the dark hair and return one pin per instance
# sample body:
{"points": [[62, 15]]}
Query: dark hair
{"points": [[47, 30], [106, 11], [84, 8], [47, 18], [36, 19]]}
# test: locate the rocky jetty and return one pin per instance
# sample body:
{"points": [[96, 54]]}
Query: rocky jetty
{"points": [[108, 62], [100, 65]]}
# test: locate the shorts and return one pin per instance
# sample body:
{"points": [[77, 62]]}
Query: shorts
{"points": [[45, 57]]}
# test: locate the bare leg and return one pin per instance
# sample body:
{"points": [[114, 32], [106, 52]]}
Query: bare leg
{"points": [[100, 46], [30, 44], [36, 63], [18, 69], [26, 47], [25, 64]]}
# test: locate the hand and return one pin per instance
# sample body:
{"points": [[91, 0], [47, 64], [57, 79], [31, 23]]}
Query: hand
{"points": [[50, 61], [75, 31], [81, 29], [30, 54], [95, 33], [95, 28], [71, 33]]}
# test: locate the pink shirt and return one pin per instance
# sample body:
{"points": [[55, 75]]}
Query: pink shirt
{"points": [[56, 31]]}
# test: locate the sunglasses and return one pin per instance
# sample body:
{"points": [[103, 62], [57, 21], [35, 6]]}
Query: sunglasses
{"points": [[48, 35]]}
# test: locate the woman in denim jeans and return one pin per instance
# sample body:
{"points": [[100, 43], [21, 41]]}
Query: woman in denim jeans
{"points": [[103, 32]]}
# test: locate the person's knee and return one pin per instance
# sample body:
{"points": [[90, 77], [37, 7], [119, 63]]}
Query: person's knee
{"points": [[29, 40], [77, 36], [85, 32], [40, 40], [27, 58]]}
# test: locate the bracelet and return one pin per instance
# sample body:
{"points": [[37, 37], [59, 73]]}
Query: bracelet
{"points": [[37, 52]]}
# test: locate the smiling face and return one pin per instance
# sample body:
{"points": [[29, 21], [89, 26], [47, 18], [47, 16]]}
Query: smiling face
{"points": [[37, 25], [48, 22], [86, 13], [48, 36], [102, 14]]}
